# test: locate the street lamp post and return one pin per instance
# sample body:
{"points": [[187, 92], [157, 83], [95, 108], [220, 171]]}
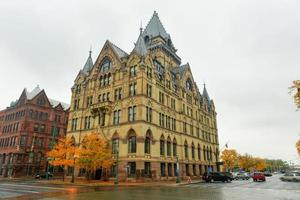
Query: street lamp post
{"points": [[47, 173], [117, 171], [177, 170], [73, 174], [52, 143]]}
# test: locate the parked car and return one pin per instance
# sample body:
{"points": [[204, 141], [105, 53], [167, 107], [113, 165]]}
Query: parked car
{"points": [[291, 176], [215, 176], [43, 176], [234, 174], [258, 176], [229, 174], [242, 176], [268, 174]]}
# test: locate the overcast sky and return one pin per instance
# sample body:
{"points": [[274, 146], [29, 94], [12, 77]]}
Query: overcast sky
{"points": [[247, 52]]}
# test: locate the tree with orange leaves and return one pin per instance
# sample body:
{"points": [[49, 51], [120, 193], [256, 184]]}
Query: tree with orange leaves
{"points": [[260, 164], [94, 153], [295, 90], [246, 162], [230, 158], [63, 153], [298, 147]]}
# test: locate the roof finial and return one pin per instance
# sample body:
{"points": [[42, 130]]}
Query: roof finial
{"points": [[90, 52], [155, 13], [204, 84], [141, 27]]}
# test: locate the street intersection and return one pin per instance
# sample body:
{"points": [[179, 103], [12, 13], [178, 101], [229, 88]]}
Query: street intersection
{"points": [[272, 189]]}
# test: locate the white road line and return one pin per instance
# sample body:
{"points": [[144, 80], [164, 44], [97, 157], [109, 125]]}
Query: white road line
{"points": [[33, 186], [16, 191]]}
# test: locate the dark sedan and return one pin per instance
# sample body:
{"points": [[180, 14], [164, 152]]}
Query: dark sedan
{"points": [[216, 176]]}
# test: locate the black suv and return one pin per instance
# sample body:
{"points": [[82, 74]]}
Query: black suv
{"points": [[216, 176]]}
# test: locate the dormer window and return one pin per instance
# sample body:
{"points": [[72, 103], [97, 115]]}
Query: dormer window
{"points": [[41, 101], [189, 85], [160, 69], [147, 39], [169, 43], [106, 65]]}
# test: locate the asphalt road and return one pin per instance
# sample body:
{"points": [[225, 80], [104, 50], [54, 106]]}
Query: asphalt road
{"points": [[272, 189], [31, 190]]}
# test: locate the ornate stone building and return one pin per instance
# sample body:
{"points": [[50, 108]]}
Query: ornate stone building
{"points": [[150, 108], [26, 131]]}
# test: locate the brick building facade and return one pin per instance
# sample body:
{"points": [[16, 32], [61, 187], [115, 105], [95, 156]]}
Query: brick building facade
{"points": [[26, 131]]}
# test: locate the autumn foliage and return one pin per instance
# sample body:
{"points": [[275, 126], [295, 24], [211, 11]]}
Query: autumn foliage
{"points": [[93, 153], [230, 158], [295, 90], [298, 147], [63, 152]]}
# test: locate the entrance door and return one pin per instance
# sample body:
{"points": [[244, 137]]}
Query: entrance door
{"points": [[98, 174]]}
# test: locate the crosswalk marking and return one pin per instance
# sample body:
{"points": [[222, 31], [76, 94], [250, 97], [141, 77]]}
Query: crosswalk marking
{"points": [[32, 186], [19, 190]]}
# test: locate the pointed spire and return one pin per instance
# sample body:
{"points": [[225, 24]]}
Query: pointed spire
{"points": [[155, 28], [89, 63], [205, 93], [140, 46]]}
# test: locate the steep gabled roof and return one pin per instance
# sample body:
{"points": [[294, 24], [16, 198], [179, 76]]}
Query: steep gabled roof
{"points": [[55, 103], [155, 28], [33, 93], [36, 91], [180, 69], [121, 53]]}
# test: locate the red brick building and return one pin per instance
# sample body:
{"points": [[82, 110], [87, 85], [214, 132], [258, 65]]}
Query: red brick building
{"points": [[27, 128]]}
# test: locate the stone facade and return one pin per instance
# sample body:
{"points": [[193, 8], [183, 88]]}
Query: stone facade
{"points": [[149, 106], [26, 129]]}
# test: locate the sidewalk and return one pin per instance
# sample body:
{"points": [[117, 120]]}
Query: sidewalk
{"points": [[111, 183], [93, 183]]}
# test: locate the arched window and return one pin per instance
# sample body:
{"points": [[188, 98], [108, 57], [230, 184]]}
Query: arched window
{"points": [[169, 146], [105, 65], [189, 84], [115, 144], [199, 152], [207, 153], [148, 142], [105, 80], [109, 79], [160, 69], [210, 153], [193, 151], [186, 149], [162, 145], [204, 153], [132, 144], [174, 147], [101, 81]]}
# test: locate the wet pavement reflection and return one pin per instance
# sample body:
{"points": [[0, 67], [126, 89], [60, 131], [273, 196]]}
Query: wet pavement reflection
{"points": [[272, 189]]}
